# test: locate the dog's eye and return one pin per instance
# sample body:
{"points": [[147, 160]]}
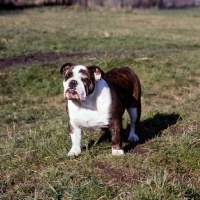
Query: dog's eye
{"points": [[67, 76], [85, 80]]}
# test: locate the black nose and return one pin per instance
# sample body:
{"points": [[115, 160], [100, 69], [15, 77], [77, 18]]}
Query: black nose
{"points": [[73, 84]]}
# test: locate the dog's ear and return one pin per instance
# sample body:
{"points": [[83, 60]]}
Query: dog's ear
{"points": [[66, 67], [96, 71]]}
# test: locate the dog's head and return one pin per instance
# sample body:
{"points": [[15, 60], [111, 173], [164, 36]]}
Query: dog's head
{"points": [[79, 81]]}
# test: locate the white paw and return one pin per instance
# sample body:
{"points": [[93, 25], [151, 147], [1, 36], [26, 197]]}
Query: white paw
{"points": [[117, 152], [133, 137], [74, 152]]}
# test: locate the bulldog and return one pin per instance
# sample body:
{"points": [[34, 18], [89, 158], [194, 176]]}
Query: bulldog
{"points": [[97, 100]]}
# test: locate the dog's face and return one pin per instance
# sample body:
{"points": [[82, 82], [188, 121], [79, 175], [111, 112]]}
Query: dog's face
{"points": [[79, 81]]}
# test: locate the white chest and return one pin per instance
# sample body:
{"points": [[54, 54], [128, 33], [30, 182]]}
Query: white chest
{"points": [[94, 111]]}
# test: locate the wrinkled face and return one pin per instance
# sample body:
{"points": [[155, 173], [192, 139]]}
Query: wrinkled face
{"points": [[79, 81]]}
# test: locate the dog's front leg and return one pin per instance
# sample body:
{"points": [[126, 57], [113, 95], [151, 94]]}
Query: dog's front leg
{"points": [[116, 130], [76, 142]]}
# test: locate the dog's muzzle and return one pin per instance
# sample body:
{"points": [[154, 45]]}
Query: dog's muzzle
{"points": [[73, 91], [71, 94]]}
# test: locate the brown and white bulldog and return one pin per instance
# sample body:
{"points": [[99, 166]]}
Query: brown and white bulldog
{"points": [[97, 100]]}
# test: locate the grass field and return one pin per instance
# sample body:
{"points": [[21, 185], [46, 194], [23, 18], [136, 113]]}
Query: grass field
{"points": [[162, 47]]}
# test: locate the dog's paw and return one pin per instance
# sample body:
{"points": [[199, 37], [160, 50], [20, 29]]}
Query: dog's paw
{"points": [[133, 138], [74, 152], [117, 152]]}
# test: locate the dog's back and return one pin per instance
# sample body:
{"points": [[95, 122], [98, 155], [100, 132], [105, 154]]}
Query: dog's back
{"points": [[127, 84]]}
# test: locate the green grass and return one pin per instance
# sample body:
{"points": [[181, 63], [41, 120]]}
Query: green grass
{"points": [[162, 47]]}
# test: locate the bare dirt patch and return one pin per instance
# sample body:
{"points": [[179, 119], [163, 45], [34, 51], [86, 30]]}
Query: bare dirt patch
{"points": [[41, 58], [113, 176]]}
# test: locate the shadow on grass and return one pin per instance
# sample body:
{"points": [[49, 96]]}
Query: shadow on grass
{"points": [[147, 130], [151, 127]]}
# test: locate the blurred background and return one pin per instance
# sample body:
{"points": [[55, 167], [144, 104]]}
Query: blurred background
{"points": [[10, 4]]}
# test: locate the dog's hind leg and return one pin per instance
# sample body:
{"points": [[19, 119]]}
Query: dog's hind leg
{"points": [[134, 115]]}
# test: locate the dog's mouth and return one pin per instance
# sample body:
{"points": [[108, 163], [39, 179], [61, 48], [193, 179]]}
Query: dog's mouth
{"points": [[72, 94]]}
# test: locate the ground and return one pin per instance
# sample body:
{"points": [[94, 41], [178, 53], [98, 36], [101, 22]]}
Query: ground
{"points": [[162, 47]]}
